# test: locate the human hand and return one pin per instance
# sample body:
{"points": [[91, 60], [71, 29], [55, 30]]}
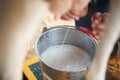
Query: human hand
{"points": [[74, 14], [98, 24], [69, 9]]}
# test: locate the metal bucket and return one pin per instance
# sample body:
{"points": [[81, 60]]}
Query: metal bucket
{"points": [[55, 36]]}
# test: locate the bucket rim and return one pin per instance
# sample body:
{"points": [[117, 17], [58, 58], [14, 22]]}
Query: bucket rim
{"points": [[59, 27]]}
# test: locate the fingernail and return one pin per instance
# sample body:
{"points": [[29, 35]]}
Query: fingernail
{"points": [[77, 18]]}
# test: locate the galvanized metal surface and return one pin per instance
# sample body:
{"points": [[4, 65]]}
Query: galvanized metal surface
{"points": [[55, 36]]}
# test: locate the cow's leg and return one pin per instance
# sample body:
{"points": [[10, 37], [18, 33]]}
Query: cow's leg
{"points": [[99, 65], [19, 21]]}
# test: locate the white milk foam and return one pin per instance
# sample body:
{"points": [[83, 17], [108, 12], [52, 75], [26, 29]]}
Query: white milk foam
{"points": [[66, 58]]}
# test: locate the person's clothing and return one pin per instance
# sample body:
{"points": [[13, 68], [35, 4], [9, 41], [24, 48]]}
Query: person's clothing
{"points": [[99, 6]]}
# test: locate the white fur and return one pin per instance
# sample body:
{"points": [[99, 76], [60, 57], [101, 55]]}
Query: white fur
{"points": [[99, 65], [20, 20]]}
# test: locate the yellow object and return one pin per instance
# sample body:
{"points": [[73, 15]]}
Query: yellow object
{"points": [[26, 68]]}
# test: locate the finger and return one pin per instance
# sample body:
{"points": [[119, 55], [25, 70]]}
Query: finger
{"points": [[94, 32], [94, 27], [73, 16], [98, 32], [66, 17], [84, 11], [96, 22], [99, 27], [97, 36], [97, 18], [80, 13], [74, 12]]}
